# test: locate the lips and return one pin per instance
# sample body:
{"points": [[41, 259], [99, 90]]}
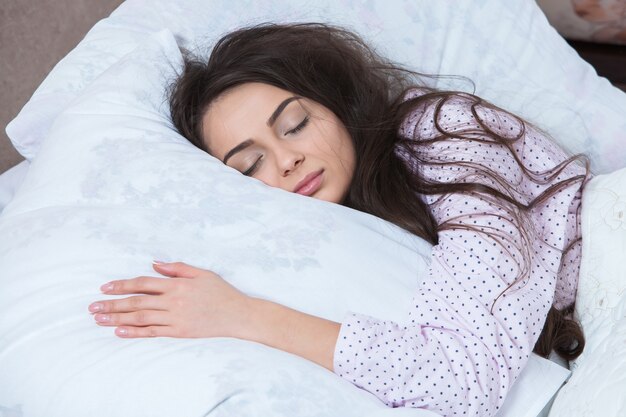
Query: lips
{"points": [[309, 184]]}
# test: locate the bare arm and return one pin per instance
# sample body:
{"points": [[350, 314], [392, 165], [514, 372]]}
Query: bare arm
{"points": [[292, 331]]}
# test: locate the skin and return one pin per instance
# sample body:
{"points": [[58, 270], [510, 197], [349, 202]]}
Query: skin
{"points": [[305, 137]]}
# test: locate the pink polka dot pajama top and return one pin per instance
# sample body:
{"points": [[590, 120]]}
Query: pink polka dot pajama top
{"points": [[455, 354]]}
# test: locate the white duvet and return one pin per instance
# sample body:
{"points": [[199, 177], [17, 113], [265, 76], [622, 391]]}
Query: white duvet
{"points": [[112, 187], [598, 384]]}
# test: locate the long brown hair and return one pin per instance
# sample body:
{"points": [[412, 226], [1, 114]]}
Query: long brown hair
{"points": [[337, 69]]}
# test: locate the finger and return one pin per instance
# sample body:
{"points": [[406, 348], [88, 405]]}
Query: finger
{"points": [[135, 303], [144, 285], [136, 318], [177, 269], [149, 331]]}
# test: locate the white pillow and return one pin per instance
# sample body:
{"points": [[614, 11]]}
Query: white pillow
{"points": [[132, 190], [598, 386], [516, 59], [10, 181]]}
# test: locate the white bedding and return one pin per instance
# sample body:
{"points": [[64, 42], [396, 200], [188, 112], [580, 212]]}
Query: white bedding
{"points": [[113, 187], [598, 385], [10, 181]]}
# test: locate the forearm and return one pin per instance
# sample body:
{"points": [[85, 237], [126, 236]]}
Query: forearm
{"points": [[292, 331]]}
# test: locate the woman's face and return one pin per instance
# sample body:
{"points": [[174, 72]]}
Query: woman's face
{"points": [[286, 141]]}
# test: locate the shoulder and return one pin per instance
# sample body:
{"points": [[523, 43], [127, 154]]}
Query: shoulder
{"points": [[453, 136], [435, 113]]}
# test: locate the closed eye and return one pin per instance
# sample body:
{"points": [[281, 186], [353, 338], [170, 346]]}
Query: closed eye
{"points": [[253, 168], [298, 128]]}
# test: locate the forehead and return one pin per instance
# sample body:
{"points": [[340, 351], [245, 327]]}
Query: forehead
{"points": [[244, 107], [257, 98]]}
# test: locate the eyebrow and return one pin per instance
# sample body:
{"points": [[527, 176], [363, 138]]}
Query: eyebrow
{"points": [[243, 145]]}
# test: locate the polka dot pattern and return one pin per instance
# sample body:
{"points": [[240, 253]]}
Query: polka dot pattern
{"points": [[466, 339]]}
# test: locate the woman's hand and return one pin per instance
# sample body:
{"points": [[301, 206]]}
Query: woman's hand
{"points": [[191, 303], [194, 302]]}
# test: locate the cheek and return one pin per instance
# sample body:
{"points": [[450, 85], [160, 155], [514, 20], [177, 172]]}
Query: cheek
{"points": [[268, 179], [332, 140], [346, 150]]}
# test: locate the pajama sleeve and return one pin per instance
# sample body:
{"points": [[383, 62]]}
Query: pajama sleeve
{"points": [[466, 339]]}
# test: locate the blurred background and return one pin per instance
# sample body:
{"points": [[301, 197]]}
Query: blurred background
{"points": [[36, 34]]}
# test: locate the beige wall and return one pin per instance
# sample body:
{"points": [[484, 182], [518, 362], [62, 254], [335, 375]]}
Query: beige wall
{"points": [[34, 36]]}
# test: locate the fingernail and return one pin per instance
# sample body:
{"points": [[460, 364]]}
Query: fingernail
{"points": [[102, 318], [107, 287], [95, 307], [122, 332], [158, 262]]}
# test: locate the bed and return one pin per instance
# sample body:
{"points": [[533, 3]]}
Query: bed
{"points": [[108, 186]]}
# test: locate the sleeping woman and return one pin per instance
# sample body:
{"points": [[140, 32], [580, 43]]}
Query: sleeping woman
{"points": [[311, 109]]}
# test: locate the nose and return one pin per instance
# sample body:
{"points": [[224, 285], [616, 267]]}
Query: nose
{"points": [[288, 160]]}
